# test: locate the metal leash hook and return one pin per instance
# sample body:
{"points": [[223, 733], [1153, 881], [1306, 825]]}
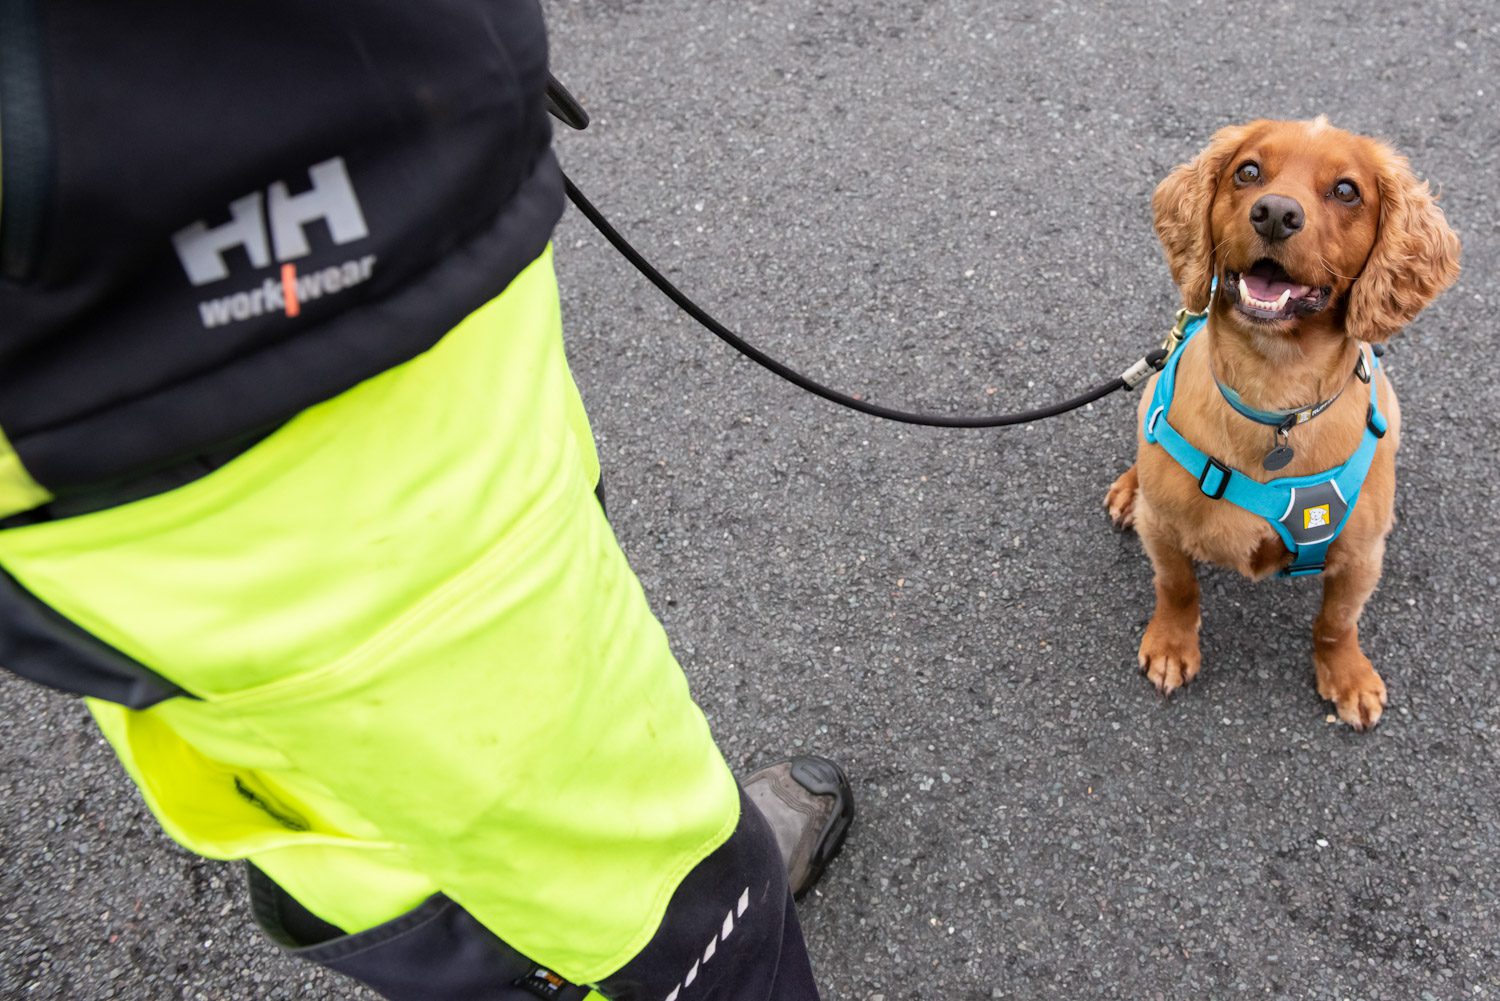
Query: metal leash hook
{"points": [[565, 108]]}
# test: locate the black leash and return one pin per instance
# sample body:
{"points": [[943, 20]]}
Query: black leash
{"points": [[566, 108]]}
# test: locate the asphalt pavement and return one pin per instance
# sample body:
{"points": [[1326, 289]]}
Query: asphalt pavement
{"points": [[944, 205]]}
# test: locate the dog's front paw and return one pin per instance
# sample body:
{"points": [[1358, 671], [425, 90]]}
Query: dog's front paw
{"points": [[1349, 681], [1121, 499], [1169, 655]]}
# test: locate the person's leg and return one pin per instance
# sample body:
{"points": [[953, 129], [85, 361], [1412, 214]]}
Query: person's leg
{"points": [[410, 637], [729, 934]]}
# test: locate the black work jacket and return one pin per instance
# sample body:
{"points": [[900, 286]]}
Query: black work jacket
{"points": [[216, 214]]}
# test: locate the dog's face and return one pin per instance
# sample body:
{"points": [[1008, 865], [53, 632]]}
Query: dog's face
{"points": [[1290, 221], [1302, 224]]}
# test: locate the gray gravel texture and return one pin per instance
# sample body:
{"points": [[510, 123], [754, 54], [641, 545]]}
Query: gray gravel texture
{"points": [[945, 204]]}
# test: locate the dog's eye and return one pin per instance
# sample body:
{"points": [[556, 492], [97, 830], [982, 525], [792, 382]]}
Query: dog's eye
{"points": [[1248, 173], [1346, 192]]}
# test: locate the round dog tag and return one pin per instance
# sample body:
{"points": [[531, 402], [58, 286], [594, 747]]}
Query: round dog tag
{"points": [[1277, 457]]}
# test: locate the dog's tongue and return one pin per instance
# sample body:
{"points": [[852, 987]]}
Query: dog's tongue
{"points": [[1269, 289]]}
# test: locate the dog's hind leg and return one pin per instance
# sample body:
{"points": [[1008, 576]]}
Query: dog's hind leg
{"points": [[1345, 675], [1121, 499]]}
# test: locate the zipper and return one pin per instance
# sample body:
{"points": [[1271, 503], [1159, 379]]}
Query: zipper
{"points": [[25, 140]]}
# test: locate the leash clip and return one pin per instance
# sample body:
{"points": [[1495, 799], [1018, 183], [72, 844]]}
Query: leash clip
{"points": [[1178, 333], [1157, 360]]}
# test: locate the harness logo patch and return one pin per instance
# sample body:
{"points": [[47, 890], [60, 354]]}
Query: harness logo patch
{"points": [[1316, 517], [270, 228]]}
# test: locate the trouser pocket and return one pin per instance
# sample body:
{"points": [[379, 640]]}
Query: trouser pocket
{"points": [[437, 952]]}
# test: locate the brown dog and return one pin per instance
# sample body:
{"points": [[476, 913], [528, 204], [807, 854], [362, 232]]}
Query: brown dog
{"points": [[1321, 242]]}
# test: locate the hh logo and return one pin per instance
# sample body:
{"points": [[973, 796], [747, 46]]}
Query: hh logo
{"points": [[260, 224], [1315, 517], [271, 228]]}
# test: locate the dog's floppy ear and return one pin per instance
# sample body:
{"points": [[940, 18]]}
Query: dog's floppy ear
{"points": [[1183, 205], [1414, 258]]}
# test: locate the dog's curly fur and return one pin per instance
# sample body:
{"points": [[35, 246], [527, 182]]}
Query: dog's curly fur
{"points": [[1362, 267]]}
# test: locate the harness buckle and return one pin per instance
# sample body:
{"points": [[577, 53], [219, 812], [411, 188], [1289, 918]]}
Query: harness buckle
{"points": [[1376, 422], [1221, 484]]}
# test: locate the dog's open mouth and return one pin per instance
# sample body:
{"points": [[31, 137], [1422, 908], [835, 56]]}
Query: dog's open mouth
{"points": [[1267, 292]]}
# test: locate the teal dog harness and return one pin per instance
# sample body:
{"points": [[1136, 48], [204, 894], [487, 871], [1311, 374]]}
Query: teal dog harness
{"points": [[1308, 512]]}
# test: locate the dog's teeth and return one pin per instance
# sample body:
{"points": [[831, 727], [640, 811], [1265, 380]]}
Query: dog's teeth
{"points": [[1267, 305]]}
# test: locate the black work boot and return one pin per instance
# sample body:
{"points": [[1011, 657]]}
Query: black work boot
{"points": [[808, 803]]}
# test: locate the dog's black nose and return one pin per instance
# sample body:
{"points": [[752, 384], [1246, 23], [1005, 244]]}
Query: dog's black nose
{"points": [[1277, 217]]}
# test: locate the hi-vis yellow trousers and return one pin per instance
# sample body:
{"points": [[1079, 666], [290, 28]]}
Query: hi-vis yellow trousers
{"points": [[420, 664]]}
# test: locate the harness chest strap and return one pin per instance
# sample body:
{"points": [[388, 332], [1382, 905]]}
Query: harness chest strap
{"points": [[1307, 512]]}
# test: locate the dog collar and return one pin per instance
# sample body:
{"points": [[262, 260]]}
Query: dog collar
{"points": [[1285, 420]]}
